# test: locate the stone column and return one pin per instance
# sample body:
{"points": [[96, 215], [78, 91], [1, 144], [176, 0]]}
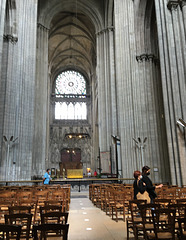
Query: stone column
{"points": [[106, 89], [112, 73], [42, 84], [24, 76], [173, 80], [125, 80], [2, 22], [8, 91]]}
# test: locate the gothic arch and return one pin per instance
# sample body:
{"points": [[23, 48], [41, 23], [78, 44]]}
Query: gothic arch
{"points": [[144, 11], [10, 29], [109, 15], [51, 8]]}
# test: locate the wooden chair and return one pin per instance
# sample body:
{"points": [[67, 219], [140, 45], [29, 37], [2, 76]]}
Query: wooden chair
{"points": [[61, 196], [39, 197], [135, 218], [24, 195], [7, 196], [170, 194], [30, 203], [23, 219], [182, 228], [60, 230], [118, 205], [163, 229], [54, 217], [10, 231], [4, 209], [147, 220]]}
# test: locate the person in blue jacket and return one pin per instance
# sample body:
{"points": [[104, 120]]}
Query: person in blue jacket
{"points": [[47, 178]]}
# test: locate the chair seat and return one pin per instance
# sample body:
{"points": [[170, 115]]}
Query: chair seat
{"points": [[148, 226], [176, 225], [161, 235], [119, 205], [137, 219]]}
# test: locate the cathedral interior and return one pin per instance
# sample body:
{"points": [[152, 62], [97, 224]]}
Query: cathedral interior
{"points": [[93, 85]]}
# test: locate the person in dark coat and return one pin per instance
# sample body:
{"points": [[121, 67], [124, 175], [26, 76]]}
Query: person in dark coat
{"points": [[149, 186], [139, 185]]}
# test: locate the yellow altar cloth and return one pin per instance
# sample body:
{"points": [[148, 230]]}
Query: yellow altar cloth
{"points": [[74, 173]]}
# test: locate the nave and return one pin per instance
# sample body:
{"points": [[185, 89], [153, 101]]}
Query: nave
{"points": [[87, 222]]}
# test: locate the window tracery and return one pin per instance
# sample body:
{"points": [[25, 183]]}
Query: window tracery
{"points": [[70, 93]]}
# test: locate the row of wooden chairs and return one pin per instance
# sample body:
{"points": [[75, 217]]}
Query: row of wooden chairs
{"points": [[21, 215], [14, 231], [35, 199], [114, 198], [111, 198], [160, 220]]}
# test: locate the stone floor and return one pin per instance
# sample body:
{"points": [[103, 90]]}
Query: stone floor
{"points": [[88, 222]]}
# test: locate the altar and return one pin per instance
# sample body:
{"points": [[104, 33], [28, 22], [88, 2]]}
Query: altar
{"points": [[74, 173]]}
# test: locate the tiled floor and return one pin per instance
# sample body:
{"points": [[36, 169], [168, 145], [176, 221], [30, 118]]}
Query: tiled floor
{"points": [[88, 222]]}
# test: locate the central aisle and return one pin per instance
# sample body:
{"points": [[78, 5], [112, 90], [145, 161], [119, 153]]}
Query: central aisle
{"points": [[88, 222]]}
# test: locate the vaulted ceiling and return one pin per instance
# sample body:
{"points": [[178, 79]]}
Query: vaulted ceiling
{"points": [[71, 42]]}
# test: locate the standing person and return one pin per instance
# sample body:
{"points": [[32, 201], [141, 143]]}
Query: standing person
{"points": [[139, 185], [47, 178], [149, 186], [89, 174]]}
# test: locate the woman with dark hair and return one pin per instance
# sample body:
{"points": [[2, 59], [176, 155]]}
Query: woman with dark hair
{"points": [[149, 186], [139, 185]]}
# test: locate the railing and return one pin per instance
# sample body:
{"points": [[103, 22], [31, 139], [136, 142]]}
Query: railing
{"points": [[73, 182]]}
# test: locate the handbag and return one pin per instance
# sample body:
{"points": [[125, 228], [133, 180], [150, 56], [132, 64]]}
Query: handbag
{"points": [[143, 196]]}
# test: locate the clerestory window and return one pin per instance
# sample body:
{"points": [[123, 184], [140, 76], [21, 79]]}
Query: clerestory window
{"points": [[70, 96]]}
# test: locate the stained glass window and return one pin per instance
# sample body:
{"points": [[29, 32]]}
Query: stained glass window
{"points": [[70, 82], [70, 85]]}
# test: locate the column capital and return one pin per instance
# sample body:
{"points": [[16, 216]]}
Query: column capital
{"points": [[147, 58], [10, 38], [173, 5], [108, 29], [39, 25]]}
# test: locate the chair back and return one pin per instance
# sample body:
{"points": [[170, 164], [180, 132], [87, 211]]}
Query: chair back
{"points": [[19, 209], [54, 217], [10, 231], [164, 223], [50, 208], [60, 230], [182, 228], [23, 219]]}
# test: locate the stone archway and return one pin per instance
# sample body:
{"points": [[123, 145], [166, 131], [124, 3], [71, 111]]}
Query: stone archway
{"points": [[67, 40]]}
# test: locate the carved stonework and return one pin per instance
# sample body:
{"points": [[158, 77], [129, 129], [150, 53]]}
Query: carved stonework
{"points": [[146, 58], [39, 25], [108, 29], [59, 140], [172, 5], [10, 38]]}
